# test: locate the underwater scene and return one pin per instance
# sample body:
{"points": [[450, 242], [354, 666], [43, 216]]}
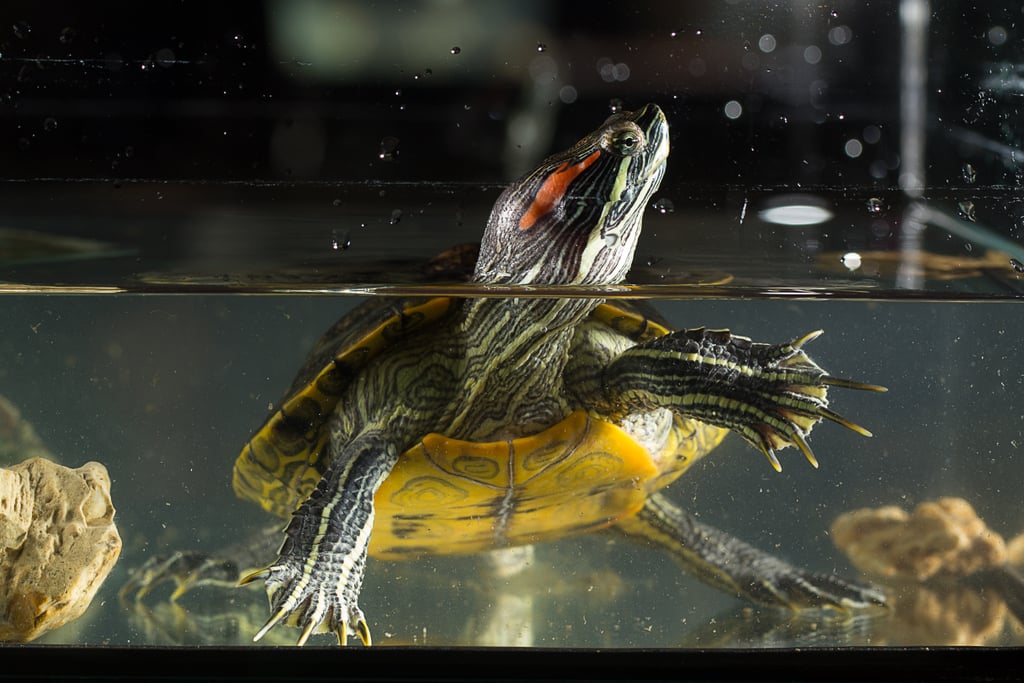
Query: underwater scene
{"points": [[534, 222]]}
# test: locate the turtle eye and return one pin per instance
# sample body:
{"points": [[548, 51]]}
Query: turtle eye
{"points": [[624, 141]]}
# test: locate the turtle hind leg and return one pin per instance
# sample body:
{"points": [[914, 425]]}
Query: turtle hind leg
{"points": [[188, 569], [185, 569], [729, 564]]}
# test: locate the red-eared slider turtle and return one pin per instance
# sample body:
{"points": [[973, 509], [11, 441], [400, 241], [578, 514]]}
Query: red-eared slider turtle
{"points": [[462, 425]]}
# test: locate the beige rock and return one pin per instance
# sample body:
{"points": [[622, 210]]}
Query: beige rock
{"points": [[1015, 549], [58, 542], [941, 537]]}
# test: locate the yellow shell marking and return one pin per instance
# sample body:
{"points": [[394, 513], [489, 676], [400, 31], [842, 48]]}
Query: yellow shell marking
{"points": [[581, 474]]}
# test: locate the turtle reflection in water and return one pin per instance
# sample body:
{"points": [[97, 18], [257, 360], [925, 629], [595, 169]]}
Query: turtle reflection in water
{"points": [[465, 425]]}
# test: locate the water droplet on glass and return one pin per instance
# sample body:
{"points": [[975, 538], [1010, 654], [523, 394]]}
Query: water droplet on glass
{"points": [[541, 47], [875, 206], [165, 57], [388, 148], [1017, 265], [968, 247], [67, 35], [340, 243], [396, 217], [456, 50], [336, 202], [970, 175], [21, 30], [966, 209], [615, 105], [49, 124], [398, 93], [663, 206]]}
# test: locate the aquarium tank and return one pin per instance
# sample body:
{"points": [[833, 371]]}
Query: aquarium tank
{"points": [[191, 194]]}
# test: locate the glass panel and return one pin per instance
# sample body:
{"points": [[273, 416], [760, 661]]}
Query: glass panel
{"points": [[849, 166]]}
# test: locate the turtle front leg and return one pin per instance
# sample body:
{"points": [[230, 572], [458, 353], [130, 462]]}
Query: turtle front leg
{"points": [[314, 584], [770, 394]]}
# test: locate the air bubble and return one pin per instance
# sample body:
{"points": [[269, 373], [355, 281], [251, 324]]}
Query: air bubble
{"points": [[875, 206], [966, 209], [969, 174], [541, 47], [456, 50], [341, 243], [49, 124], [663, 206], [388, 148]]}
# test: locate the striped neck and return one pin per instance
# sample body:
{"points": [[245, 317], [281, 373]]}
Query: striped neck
{"points": [[515, 351]]}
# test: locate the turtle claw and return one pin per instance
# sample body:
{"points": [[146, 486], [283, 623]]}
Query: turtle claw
{"points": [[309, 605]]}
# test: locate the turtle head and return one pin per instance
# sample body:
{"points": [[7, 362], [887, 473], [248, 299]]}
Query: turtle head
{"points": [[576, 218]]}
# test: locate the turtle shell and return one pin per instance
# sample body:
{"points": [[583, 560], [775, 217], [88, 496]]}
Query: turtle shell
{"points": [[450, 496]]}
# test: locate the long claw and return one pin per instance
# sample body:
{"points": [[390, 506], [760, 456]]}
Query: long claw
{"points": [[342, 633], [254, 576], [772, 458], [839, 419], [809, 337], [271, 623], [852, 384], [363, 631], [801, 443], [307, 631]]}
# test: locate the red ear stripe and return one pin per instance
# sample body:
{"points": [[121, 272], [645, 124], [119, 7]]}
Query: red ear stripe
{"points": [[553, 189]]}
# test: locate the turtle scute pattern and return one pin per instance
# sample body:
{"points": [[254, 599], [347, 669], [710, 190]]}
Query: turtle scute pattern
{"points": [[280, 466]]}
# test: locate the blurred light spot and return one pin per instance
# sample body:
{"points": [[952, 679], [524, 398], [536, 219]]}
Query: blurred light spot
{"points": [[612, 72], [997, 35], [840, 35], [812, 54], [853, 148], [795, 210], [733, 109], [872, 134], [567, 94], [851, 260], [767, 43]]}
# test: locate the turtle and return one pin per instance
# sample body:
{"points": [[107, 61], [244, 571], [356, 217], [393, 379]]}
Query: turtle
{"points": [[447, 425]]}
